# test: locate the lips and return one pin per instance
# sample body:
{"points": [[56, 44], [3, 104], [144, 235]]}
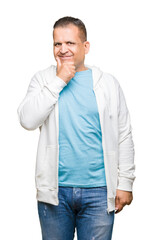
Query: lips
{"points": [[65, 57]]}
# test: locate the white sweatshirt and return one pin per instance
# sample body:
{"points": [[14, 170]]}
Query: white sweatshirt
{"points": [[39, 108]]}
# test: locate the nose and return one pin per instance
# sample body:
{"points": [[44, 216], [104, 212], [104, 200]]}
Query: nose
{"points": [[63, 48]]}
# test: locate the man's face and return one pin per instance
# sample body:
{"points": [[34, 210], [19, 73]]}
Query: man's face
{"points": [[68, 45]]}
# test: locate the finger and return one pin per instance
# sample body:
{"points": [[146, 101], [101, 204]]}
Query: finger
{"points": [[69, 63], [58, 61], [117, 203], [118, 210], [70, 67]]}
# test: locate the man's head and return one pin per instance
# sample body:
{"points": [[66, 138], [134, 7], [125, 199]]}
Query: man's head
{"points": [[70, 41]]}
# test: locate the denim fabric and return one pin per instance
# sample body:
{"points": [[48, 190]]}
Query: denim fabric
{"points": [[83, 209]]}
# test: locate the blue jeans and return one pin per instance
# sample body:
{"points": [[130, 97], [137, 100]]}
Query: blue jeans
{"points": [[82, 208]]}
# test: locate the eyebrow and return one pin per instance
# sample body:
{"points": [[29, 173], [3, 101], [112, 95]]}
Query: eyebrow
{"points": [[65, 42]]}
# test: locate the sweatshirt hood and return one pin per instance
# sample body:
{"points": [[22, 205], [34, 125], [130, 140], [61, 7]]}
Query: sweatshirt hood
{"points": [[97, 74]]}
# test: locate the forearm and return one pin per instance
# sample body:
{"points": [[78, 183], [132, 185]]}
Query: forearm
{"points": [[39, 102], [126, 152], [126, 164]]}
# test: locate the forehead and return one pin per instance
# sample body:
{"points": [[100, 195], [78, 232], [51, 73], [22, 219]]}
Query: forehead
{"points": [[69, 32]]}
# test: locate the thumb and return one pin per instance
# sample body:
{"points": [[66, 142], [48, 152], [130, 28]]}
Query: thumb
{"points": [[58, 61], [116, 203]]}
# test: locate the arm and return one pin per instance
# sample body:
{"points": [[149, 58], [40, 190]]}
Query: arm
{"points": [[126, 165], [39, 101]]}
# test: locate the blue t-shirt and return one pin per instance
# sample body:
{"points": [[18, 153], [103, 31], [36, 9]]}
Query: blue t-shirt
{"points": [[81, 161]]}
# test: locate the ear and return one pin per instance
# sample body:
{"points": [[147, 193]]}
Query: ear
{"points": [[86, 46]]}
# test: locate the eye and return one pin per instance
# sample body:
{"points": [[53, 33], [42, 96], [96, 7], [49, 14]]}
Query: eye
{"points": [[57, 44], [70, 43]]}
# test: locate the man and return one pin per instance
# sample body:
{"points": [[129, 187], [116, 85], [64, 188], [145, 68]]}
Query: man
{"points": [[85, 157]]}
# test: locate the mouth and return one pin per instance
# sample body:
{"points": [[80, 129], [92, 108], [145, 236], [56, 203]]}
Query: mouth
{"points": [[65, 57]]}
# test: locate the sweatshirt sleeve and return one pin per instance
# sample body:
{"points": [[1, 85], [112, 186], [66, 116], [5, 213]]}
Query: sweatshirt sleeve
{"points": [[39, 101], [126, 166]]}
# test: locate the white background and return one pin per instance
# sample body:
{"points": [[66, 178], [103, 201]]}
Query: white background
{"points": [[120, 33]]}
